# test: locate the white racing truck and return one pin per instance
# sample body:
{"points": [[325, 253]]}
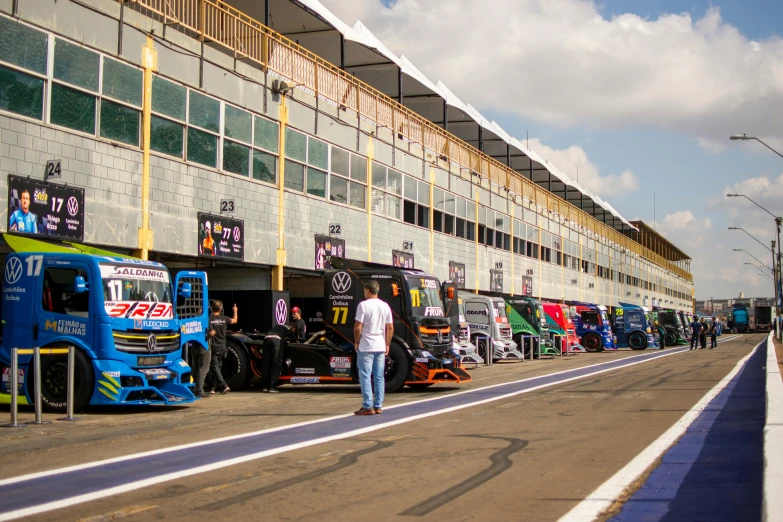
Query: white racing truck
{"points": [[489, 327]]}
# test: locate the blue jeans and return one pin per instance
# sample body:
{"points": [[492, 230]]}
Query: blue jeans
{"points": [[371, 366]]}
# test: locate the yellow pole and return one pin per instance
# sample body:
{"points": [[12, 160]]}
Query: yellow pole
{"points": [[581, 271], [475, 230], [370, 155], [432, 221], [540, 263], [149, 60], [277, 271], [511, 208]]}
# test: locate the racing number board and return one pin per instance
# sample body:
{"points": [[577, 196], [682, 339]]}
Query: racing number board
{"points": [[221, 236], [45, 209]]}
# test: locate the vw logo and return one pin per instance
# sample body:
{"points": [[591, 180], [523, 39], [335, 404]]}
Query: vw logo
{"points": [[152, 343], [341, 282], [237, 235], [281, 311], [13, 270], [73, 206]]}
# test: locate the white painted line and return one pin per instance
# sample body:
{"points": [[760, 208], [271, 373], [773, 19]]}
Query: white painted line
{"points": [[605, 495], [773, 440], [41, 508]]}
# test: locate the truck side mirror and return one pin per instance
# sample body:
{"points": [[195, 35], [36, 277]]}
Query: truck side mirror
{"points": [[395, 290], [79, 285], [185, 290], [450, 292]]}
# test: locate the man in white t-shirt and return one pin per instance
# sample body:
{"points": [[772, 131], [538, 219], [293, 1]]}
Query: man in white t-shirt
{"points": [[372, 334]]}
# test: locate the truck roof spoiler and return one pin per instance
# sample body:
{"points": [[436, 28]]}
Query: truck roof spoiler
{"points": [[629, 305], [340, 263], [21, 244]]}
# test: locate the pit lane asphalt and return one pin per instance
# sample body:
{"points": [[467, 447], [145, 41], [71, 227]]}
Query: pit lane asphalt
{"points": [[536, 454]]}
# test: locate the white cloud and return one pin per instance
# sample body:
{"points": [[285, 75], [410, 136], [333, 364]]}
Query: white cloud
{"points": [[561, 62], [574, 162]]}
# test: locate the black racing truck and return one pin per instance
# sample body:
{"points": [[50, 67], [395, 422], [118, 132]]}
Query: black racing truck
{"points": [[421, 352], [670, 320]]}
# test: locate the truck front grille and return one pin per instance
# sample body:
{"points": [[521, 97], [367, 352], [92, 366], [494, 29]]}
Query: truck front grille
{"points": [[463, 336], [505, 331], [137, 341]]}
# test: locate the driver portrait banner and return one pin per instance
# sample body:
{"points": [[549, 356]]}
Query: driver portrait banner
{"points": [[327, 248], [220, 236], [495, 280], [402, 259], [45, 209], [527, 286], [457, 274]]}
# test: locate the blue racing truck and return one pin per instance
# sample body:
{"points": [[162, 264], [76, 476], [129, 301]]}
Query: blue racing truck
{"points": [[632, 327], [740, 319], [126, 320], [593, 327]]}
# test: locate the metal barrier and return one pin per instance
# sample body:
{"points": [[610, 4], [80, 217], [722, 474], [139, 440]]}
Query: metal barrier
{"points": [[490, 351], [13, 383]]}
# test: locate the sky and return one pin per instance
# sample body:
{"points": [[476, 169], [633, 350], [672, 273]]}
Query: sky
{"points": [[639, 96]]}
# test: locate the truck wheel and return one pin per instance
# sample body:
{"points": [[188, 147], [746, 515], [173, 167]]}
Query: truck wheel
{"points": [[235, 365], [637, 341], [592, 342], [54, 382], [397, 368], [670, 339], [482, 343]]}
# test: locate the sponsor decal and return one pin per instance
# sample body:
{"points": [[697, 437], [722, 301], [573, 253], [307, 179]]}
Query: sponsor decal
{"points": [[192, 327], [183, 364], [156, 374], [429, 283], [6, 387], [134, 272], [341, 282], [433, 311], [66, 327], [139, 309], [422, 359], [13, 270], [154, 360], [281, 312], [305, 380], [476, 312], [479, 326], [340, 362], [111, 374], [305, 371]]}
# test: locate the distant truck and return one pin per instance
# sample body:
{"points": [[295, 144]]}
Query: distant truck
{"points": [[489, 327], [671, 321], [127, 319], [632, 328], [740, 319], [527, 317], [764, 316], [460, 329], [593, 327], [559, 318], [421, 352]]}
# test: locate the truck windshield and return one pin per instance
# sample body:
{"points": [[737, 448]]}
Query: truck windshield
{"points": [[136, 292], [425, 297], [500, 310], [605, 319]]}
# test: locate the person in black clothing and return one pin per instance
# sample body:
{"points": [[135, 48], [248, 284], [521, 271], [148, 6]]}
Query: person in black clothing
{"points": [[695, 330], [272, 356], [714, 333], [217, 334], [703, 334], [298, 325]]}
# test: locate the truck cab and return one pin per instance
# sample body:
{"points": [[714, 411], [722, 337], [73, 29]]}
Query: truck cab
{"points": [[686, 325], [560, 323], [121, 315], [632, 327], [526, 317], [489, 327], [670, 320], [593, 327], [740, 317], [461, 334]]}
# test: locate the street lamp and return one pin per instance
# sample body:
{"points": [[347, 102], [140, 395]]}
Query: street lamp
{"points": [[760, 270], [754, 257], [745, 137], [751, 235]]}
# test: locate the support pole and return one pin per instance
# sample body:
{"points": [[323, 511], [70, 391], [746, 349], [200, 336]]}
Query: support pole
{"points": [[71, 381], [277, 271], [400, 97], [370, 155], [445, 115], [475, 235], [37, 386], [342, 51], [149, 60]]}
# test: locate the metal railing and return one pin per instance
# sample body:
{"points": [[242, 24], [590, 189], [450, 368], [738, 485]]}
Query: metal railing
{"points": [[13, 383], [218, 22]]}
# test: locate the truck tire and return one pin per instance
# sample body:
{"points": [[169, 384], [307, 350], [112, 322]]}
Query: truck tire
{"points": [[482, 343], [637, 341], [54, 379], [397, 368], [235, 365], [670, 339], [593, 342]]}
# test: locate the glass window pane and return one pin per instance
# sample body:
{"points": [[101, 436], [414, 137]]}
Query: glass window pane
{"points": [[437, 198], [76, 65], [316, 182], [119, 123], [461, 207], [202, 147], [377, 202], [340, 161], [394, 207], [424, 193], [204, 112], [238, 123], [358, 168], [471, 210], [424, 216], [394, 182], [482, 219], [358, 195], [73, 109], [338, 189], [295, 145], [22, 45], [410, 188], [294, 176], [168, 98], [264, 167], [378, 175], [532, 234], [317, 154], [449, 203], [122, 82], [267, 134], [236, 158], [166, 137], [21, 93]]}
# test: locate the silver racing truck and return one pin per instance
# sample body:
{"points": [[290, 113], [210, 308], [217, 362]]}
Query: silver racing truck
{"points": [[489, 327]]}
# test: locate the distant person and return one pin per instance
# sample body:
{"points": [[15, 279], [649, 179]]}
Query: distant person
{"points": [[218, 325], [714, 333], [661, 334], [695, 330], [22, 220], [372, 334], [298, 325], [703, 334], [272, 356]]}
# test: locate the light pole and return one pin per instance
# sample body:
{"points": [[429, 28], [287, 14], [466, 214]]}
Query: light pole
{"points": [[761, 271], [754, 257], [745, 137]]}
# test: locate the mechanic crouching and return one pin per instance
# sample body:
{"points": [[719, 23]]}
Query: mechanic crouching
{"points": [[272, 356]]}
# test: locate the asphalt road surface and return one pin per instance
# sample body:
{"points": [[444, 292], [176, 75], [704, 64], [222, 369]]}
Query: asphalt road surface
{"points": [[499, 452]]}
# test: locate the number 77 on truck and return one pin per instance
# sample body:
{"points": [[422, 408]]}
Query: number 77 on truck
{"points": [[120, 315]]}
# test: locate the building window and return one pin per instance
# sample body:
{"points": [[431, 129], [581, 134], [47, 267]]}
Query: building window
{"points": [[21, 93], [416, 209], [237, 137], [386, 191], [348, 178], [72, 109], [169, 110]]}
